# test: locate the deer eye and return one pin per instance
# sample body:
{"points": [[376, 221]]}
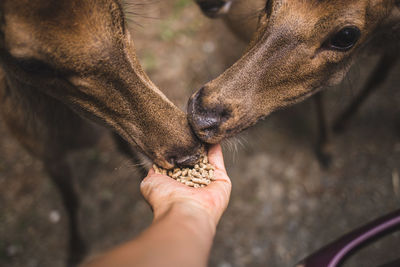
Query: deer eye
{"points": [[344, 39]]}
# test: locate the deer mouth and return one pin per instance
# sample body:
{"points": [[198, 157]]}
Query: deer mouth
{"points": [[208, 123]]}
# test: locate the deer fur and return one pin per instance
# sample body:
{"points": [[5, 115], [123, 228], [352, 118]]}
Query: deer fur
{"points": [[286, 61], [241, 16], [66, 63]]}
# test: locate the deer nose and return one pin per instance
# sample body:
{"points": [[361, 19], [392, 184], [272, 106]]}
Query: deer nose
{"points": [[188, 160], [185, 158], [205, 121]]}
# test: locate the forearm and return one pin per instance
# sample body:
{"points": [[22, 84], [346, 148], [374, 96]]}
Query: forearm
{"points": [[178, 237]]}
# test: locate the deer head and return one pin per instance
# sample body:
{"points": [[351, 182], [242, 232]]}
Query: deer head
{"points": [[81, 53], [299, 47]]}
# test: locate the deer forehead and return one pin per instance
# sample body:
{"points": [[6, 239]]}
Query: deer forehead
{"points": [[311, 16]]}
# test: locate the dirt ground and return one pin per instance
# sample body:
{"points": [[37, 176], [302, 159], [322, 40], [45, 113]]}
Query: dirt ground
{"points": [[284, 205]]}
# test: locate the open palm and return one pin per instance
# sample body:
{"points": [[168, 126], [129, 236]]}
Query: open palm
{"points": [[162, 192]]}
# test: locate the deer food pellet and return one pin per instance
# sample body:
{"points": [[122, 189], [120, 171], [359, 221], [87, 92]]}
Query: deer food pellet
{"points": [[200, 175]]}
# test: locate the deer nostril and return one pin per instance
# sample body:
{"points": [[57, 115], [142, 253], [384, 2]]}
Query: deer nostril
{"points": [[188, 160], [184, 157], [205, 126], [206, 121]]}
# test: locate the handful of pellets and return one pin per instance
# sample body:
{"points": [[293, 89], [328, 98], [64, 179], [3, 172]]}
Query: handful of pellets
{"points": [[200, 175]]}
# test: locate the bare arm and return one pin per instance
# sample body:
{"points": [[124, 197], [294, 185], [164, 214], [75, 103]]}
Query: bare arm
{"points": [[184, 222]]}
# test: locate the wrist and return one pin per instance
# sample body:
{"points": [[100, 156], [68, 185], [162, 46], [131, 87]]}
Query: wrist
{"points": [[188, 216]]}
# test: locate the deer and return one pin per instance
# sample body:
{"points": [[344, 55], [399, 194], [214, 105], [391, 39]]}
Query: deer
{"points": [[68, 66], [241, 17], [298, 48]]}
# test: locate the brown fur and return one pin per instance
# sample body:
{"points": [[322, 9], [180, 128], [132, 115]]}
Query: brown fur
{"points": [[65, 61], [87, 61], [241, 17], [286, 63]]}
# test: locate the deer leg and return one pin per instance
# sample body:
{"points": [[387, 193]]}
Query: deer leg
{"points": [[60, 175], [126, 149], [321, 148], [377, 77]]}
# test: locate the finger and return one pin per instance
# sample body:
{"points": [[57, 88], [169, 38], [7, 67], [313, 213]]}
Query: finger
{"points": [[222, 181], [149, 173], [216, 157], [221, 192], [155, 179]]}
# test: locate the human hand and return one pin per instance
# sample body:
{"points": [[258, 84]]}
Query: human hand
{"points": [[164, 193]]}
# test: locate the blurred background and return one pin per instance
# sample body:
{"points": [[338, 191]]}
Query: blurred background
{"points": [[284, 205]]}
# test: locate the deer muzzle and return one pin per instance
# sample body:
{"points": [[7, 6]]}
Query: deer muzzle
{"points": [[206, 121]]}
